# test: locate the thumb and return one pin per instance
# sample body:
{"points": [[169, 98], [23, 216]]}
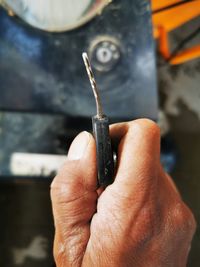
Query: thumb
{"points": [[74, 196], [75, 184]]}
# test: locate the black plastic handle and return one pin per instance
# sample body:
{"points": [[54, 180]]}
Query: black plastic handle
{"points": [[105, 162]]}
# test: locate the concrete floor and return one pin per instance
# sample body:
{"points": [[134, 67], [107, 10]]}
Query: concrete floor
{"points": [[26, 225]]}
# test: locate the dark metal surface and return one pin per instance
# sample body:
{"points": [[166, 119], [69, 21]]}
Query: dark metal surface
{"points": [[29, 133], [36, 133], [43, 72]]}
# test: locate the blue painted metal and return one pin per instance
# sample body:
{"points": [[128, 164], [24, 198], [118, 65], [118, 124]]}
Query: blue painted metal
{"points": [[43, 72]]}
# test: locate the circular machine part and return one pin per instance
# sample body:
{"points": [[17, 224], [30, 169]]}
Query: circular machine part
{"points": [[105, 53], [55, 16]]}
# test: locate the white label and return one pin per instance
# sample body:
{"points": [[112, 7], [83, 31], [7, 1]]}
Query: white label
{"points": [[35, 164]]}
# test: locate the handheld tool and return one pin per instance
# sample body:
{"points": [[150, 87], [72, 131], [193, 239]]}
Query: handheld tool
{"points": [[100, 123]]}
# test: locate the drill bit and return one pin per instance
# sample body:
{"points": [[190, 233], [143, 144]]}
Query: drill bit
{"points": [[93, 84], [100, 124]]}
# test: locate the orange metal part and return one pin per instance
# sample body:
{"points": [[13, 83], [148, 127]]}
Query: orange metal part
{"points": [[174, 17], [158, 4], [187, 54], [168, 20], [163, 43]]}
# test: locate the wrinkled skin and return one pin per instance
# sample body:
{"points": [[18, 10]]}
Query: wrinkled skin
{"points": [[140, 220]]}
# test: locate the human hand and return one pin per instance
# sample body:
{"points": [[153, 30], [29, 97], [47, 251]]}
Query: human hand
{"points": [[140, 220]]}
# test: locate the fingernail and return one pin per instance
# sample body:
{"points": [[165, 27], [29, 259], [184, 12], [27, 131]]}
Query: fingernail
{"points": [[78, 146]]}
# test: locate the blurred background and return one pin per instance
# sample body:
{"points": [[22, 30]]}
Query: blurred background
{"points": [[146, 60]]}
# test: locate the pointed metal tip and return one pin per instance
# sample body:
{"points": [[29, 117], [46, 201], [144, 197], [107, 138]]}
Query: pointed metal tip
{"points": [[86, 60], [93, 84], [84, 55]]}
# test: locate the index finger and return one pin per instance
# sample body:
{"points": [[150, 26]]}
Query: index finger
{"points": [[138, 153]]}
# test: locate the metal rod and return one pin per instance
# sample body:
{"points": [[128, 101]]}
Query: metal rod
{"points": [[93, 84]]}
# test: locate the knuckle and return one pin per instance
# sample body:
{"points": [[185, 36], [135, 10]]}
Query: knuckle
{"points": [[54, 183], [183, 218], [68, 174], [69, 169], [147, 127], [189, 220], [151, 127], [65, 192], [193, 224], [179, 214], [55, 187]]}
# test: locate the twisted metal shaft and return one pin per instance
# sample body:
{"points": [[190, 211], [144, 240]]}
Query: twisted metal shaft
{"points": [[93, 84]]}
